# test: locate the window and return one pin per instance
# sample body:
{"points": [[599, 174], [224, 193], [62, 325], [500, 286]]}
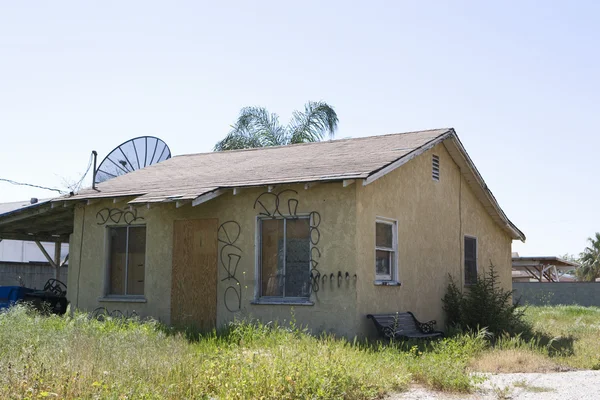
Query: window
{"points": [[435, 168], [470, 260], [285, 258], [126, 267], [385, 250]]}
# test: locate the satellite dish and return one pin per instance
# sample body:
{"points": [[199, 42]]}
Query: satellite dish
{"points": [[132, 155]]}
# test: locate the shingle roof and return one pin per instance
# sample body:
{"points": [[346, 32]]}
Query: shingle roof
{"points": [[189, 176]]}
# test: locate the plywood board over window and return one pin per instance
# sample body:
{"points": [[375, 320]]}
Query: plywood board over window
{"points": [[194, 278]]}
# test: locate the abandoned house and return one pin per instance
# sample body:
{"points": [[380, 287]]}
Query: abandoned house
{"points": [[331, 231]]}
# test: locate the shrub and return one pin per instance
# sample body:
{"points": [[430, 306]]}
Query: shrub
{"points": [[485, 304]]}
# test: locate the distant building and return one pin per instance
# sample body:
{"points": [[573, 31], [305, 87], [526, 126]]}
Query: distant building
{"points": [[542, 269], [24, 251], [22, 262]]}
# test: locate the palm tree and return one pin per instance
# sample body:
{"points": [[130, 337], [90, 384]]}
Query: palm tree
{"points": [[590, 260], [256, 127]]}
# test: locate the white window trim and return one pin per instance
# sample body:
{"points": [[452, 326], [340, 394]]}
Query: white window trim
{"points": [[138, 298], [259, 299], [385, 280], [476, 258]]}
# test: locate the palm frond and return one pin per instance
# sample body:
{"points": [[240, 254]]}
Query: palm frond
{"points": [[590, 260], [255, 127], [318, 120], [236, 141], [265, 126]]}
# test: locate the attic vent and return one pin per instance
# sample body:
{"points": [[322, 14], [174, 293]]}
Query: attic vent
{"points": [[435, 168]]}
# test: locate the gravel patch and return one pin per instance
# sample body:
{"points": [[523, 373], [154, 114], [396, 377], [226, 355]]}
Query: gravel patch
{"points": [[572, 385]]}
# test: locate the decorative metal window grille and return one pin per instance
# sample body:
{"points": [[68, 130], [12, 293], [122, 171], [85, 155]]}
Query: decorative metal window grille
{"points": [[435, 171]]}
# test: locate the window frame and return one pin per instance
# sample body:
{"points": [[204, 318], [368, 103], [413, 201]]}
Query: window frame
{"points": [[391, 279], [465, 237], [258, 296], [107, 296]]}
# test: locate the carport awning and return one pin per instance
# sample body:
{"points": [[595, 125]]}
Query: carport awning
{"points": [[43, 221]]}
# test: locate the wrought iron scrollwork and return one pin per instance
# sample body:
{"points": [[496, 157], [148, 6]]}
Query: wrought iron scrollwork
{"points": [[230, 256], [273, 210], [315, 252], [426, 327], [269, 205], [101, 313], [117, 215]]}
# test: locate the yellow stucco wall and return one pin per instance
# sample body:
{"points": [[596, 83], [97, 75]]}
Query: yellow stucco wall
{"points": [[432, 219], [333, 309]]}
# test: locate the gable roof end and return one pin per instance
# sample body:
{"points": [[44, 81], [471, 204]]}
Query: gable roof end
{"points": [[468, 170]]}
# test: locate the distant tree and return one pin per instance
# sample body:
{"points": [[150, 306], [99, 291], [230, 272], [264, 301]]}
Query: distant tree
{"points": [[590, 260], [569, 257], [256, 127]]}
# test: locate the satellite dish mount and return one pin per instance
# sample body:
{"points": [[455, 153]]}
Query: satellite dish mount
{"points": [[134, 154]]}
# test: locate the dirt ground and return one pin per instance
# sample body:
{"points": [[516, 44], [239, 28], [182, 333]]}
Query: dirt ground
{"points": [[547, 386]]}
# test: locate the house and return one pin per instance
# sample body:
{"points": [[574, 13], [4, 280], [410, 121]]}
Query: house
{"points": [[22, 262], [328, 231]]}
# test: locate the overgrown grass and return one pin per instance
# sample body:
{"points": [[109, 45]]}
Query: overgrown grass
{"points": [[444, 365], [562, 338], [575, 331], [84, 358], [79, 357], [64, 357]]}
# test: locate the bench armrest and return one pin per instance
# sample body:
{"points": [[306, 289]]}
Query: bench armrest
{"points": [[426, 327]]}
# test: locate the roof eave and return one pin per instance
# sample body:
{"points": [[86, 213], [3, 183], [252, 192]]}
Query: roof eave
{"points": [[470, 168], [511, 228]]}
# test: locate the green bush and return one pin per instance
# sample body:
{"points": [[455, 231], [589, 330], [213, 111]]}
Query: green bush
{"points": [[485, 304]]}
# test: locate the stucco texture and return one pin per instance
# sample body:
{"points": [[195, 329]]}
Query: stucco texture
{"points": [[334, 305], [432, 219]]}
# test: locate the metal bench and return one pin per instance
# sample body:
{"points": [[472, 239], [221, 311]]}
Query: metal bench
{"points": [[404, 326]]}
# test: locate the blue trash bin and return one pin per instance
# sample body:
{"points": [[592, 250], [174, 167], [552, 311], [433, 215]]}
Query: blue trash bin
{"points": [[9, 295]]}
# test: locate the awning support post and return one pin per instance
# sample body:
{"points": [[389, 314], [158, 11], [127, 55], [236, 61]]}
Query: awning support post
{"points": [[49, 259], [57, 248]]}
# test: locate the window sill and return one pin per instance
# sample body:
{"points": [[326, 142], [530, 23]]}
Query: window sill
{"points": [[264, 302], [122, 299], [386, 283]]}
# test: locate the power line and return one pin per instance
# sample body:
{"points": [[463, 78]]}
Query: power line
{"points": [[75, 187], [31, 185]]}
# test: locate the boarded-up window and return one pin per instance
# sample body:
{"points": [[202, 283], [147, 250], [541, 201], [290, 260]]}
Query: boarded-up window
{"points": [[126, 268], [470, 260], [285, 257]]}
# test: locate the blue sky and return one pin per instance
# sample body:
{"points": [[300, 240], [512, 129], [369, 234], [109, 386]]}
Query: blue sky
{"points": [[518, 81]]}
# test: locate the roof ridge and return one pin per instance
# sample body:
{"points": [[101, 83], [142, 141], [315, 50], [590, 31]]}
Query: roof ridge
{"points": [[312, 143]]}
